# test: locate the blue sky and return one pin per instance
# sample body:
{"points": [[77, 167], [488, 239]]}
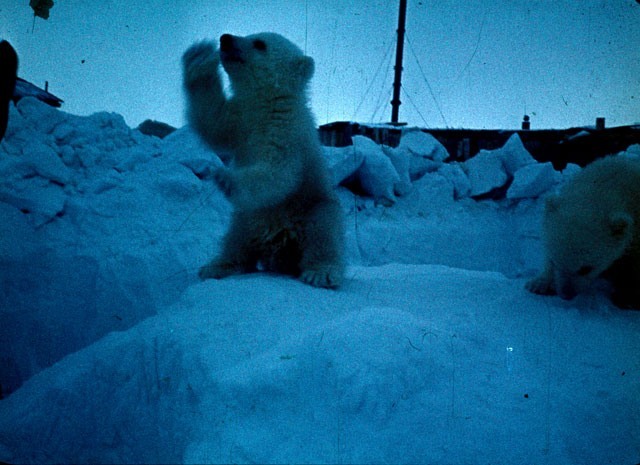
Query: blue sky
{"points": [[467, 64]]}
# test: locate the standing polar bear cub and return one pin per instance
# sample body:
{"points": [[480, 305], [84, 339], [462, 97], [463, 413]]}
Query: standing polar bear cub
{"points": [[592, 229], [286, 216]]}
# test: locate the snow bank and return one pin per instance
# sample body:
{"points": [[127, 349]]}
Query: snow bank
{"points": [[125, 219], [96, 220], [432, 351], [385, 172], [533, 180], [398, 367], [377, 174], [491, 170]]}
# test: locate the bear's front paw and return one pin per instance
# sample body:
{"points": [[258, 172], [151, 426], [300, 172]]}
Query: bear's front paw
{"points": [[222, 178], [200, 63], [541, 285], [324, 276]]}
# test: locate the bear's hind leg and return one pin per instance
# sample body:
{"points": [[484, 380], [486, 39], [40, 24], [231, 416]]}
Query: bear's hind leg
{"points": [[237, 257], [544, 283], [624, 276], [322, 245]]}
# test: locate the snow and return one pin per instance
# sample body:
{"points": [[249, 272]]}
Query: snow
{"points": [[431, 352], [377, 174], [513, 155], [532, 180], [486, 173], [491, 170]]}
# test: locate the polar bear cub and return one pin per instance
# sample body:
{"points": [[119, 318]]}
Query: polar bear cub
{"points": [[592, 229], [286, 217]]}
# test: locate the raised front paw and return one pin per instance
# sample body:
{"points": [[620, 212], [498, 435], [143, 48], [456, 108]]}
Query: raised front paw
{"points": [[200, 63], [222, 178]]}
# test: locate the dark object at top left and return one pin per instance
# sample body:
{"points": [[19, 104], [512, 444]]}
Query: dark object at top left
{"points": [[8, 74], [41, 8]]}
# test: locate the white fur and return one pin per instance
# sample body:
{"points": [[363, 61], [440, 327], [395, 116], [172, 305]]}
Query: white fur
{"points": [[591, 230], [286, 216]]}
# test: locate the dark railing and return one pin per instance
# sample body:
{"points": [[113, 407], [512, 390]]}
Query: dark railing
{"points": [[579, 145]]}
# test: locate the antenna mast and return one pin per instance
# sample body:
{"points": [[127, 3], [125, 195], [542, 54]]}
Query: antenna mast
{"points": [[395, 102]]}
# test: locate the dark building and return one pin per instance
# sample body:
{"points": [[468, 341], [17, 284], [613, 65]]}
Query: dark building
{"points": [[26, 89], [579, 145]]}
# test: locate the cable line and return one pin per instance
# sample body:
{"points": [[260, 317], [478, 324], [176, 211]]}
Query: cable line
{"points": [[433, 96]]}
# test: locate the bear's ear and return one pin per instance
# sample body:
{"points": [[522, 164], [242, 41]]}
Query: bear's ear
{"points": [[304, 67], [620, 225]]}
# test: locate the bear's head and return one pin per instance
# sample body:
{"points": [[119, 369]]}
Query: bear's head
{"points": [[582, 242], [265, 62]]}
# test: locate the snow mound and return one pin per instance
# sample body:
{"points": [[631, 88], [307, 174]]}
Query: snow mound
{"points": [[456, 175], [514, 155], [486, 173], [95, 217], [533, 180], [186, 147], [424, 150], [385, 173], [377, 174], [431, 352], [343, 162], [494, 170], [384, 371]]}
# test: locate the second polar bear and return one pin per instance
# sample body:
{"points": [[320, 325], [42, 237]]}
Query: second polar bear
{"points": [[286, 216], [591, 230]]}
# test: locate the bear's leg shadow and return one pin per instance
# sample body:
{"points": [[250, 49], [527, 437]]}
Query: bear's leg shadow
{"points": [[322, 263]]}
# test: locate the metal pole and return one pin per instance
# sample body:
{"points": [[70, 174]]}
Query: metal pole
{"points": [[395, 102]]}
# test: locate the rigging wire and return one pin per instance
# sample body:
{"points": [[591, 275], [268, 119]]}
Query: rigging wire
{"points": [[332, 67], [475, 50], [306, 24], [386, 57], [424, 76], [415, 107], [383, 94]]}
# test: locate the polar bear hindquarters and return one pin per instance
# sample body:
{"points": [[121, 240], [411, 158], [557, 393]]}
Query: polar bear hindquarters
{"points": [[303, 242]]}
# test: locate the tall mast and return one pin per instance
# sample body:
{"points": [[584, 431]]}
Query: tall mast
{"points": [[395, 102]]}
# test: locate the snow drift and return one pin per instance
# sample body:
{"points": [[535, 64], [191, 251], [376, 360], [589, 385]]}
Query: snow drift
{"points": [[432, 351]]}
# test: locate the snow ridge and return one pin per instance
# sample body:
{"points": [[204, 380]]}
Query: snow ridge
{"points": [[432, 351]]}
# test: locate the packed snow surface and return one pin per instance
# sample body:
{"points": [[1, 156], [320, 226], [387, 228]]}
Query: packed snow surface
{"points": [[431, 352]]}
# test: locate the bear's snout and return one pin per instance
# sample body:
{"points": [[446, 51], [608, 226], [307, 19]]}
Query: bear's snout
{"points": [[229, 52], [226, 42]]}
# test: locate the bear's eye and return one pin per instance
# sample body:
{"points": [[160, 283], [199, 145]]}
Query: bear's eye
{"points": [[585, 270], [260, 45]]}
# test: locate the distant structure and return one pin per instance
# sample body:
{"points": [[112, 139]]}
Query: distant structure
{"points": [[26, 89], [397, 78], [155, 128], [579, 145]]}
